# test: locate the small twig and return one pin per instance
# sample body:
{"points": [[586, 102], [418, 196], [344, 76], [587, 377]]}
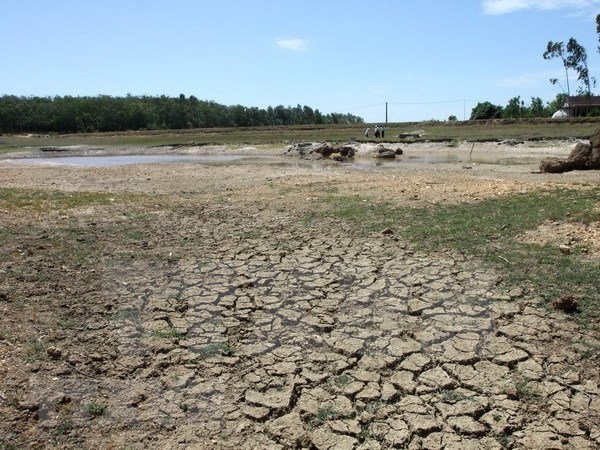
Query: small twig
{"points": [[504, 259], [78, 370]]}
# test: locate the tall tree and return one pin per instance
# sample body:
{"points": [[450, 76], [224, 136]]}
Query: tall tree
{"points": [[577, 59], [557, 50]]}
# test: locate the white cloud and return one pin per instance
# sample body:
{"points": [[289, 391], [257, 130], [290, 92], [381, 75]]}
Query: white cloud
{"points": [[498, 7], [297, 45]]}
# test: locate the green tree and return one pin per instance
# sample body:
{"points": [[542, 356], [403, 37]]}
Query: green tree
{"points": [[486, 110], [557, 50], [577, 59], [515, 108]]}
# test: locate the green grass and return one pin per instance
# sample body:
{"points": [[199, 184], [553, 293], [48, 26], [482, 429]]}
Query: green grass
{"points": [[168, 333], [323, 414], [42, 201], [488, 229], [95, 409], [35, 351], [214, 349]]}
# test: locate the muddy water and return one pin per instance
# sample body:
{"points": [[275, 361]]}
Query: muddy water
{"points": [[359, 162]]}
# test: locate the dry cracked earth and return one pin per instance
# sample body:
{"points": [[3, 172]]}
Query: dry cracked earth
{"points": [[231, 321]]}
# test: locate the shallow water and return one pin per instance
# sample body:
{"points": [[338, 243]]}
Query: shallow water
{"points": [[420, 157]]}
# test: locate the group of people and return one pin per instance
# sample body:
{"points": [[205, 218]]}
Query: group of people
{"points": [[379, 131]]}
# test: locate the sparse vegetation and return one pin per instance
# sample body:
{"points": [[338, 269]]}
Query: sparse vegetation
{"points": [[488, 229], [95, 409]]}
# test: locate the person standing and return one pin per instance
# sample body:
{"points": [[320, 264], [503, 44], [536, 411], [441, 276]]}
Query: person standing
{"points": [[382, 131], [367, 133], [376, 131]]}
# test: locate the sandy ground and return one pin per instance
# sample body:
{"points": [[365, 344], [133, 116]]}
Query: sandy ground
{"points": [[216, 316]]}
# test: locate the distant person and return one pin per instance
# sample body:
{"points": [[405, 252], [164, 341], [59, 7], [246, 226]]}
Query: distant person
{"points": [[382, 131], [367, 133], [376, 131]]}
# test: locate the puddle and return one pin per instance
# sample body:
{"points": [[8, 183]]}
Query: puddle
{"points": [[360, 163]]}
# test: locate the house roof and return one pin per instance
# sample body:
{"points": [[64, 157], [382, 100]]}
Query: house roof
{"points": [[582, 101]]}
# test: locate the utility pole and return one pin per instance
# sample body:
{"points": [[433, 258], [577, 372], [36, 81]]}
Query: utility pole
{"points": [[386, 112]]}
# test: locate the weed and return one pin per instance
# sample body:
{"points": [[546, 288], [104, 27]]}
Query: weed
{"points": [[168, 333], [136, 235], [64, 426], [136, 216], [35, 351], [585, 348], [526, 392], [323, 414], [341, 381], [214, 349], [4, 335], [452, 396], [126, 314], [95, 409]]}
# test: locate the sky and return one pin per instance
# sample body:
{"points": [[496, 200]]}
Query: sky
{"points": [[427, 59]]}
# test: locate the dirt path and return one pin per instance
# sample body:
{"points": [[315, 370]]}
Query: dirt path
{"points": [[209, 313]]}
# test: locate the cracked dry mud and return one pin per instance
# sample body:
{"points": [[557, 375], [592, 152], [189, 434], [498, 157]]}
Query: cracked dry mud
{"points": [[237, 324]]}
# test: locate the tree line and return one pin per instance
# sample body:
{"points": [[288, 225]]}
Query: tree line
{"points": [[516, 108], [106, 113]]}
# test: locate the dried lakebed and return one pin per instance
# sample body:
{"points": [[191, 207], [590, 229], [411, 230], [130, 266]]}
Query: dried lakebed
{"points": [[213, 314]]}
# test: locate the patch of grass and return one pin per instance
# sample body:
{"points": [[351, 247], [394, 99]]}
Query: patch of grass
{"points": [[586, 349], [526, 392], [323, 414], [452, 396], [4, 335], [95, 409], [488, 230], [126, 314], [137, 216], [47, 200], [214, 349], [35, 350], [136, 235], [168, 333], [65, 426], [341, 381]]}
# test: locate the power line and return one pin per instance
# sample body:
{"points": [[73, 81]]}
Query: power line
{"points": [[430, 103]]}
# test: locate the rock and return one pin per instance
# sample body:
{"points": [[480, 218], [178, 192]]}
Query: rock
{"points": [[583, 156], [467, 425], [289, 431], [275, 399], [53, 352], [326, 440], [555, 165]]}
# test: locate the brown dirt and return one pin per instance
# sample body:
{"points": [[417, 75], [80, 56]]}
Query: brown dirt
{"points": [[198, 307]]}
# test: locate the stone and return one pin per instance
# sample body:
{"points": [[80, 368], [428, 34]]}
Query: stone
{"points": [[274, 399], [289, 431], [324, 439], [436, 378], [467, 425], [405, 380]]}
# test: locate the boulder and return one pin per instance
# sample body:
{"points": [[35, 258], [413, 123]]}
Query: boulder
{"points": [[584, 156], [555, 165], [306, 150]]}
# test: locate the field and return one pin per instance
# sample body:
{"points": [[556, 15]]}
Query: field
{"points": [[271, 302]]}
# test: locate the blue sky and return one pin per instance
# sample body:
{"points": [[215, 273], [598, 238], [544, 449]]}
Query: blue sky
{"points": [[428, 59]]}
